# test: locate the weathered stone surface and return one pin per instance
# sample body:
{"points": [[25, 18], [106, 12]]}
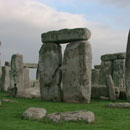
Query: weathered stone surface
{"points": [[95, 76], [66, 35], [98, 91], [106, 69], [117, 92], [119, 105], [114, 56], [111, 88], [87, 116], [5, 78], [50, 60], [16, 75], [26, 78], [36, 84], [30, 93], [34, 113], [30, 65], [0, 69], [76, 72], [119, 73], [9, 100], [127, 68]]}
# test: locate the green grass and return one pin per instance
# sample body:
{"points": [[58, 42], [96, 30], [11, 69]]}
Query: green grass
{"points": [[106, 118]]}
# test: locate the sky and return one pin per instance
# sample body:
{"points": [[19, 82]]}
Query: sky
{"points": [[23, 21]]}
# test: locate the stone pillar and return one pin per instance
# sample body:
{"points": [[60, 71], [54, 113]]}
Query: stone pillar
{"points": [[119, 73], [95, 76], [50, 60], [127, 68], [111, 88], [76, 72], [16, 75], [26, 78], [0, 69], [5, 79]]}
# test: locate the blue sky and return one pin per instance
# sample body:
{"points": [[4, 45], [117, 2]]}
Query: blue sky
{"points": [[23, 21]]}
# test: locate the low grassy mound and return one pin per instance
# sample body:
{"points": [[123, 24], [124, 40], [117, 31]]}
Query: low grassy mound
{"points": [[106, 118]]}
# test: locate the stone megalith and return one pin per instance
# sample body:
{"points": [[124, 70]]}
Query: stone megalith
{"points": [[0, 69], [50, 60], [16, 75], [127, 68], [26, 78], [111, 89], [5, 79], [76, 72]]}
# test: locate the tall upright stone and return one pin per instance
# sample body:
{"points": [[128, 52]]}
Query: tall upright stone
{"points": [[76, 72], [16, 75], [5, 78], [127, 68], [50, 60], [26, 78]]}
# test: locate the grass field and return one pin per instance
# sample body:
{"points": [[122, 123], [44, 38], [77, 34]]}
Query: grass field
{"points": [[106, 118]]}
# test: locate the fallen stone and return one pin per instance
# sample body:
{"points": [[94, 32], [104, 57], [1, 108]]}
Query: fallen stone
{"points": [[66, 35], [50, 60], [9, 100], [87, 116], [127, 68], [109, 57], [76, 72], [104, 98], [34, 113], [111, 88], [119, 105]]}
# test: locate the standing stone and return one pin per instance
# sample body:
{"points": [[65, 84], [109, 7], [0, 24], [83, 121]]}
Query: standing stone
{"points": [[5, 79], [0, 69], [127, 68], [16, 75], [76, 72], [26, 78], [111, 88], [95, 76], [119, 73], [50, 60], [106, 69]]}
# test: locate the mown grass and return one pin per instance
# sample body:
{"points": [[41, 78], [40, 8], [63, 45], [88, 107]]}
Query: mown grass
{"points": [[106, 118]]}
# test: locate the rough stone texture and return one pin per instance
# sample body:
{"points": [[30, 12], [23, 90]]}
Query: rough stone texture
{"points": [[119, 73], [117, 92], [127, 68], [50, 60], [66, 35], [26, 78], [0, 69], [104, 98], [95, 76], [5, 79], [16, 75], [30, 93], [111, 88], [76, 72], [108, 57], [87, 116], [106, 69], [34, 113], [98, 91], [36, 84], [119, 105], [30, 65]]}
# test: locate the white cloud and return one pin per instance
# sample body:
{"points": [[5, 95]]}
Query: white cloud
{"points": [[23, 22]]}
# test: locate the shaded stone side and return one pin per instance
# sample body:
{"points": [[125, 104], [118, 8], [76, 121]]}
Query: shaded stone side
{"points": [[118, 73], [127, 68], [50, 60], [76, 72], [95, 76], [26, 78], [5, 79], [16, 75]]}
